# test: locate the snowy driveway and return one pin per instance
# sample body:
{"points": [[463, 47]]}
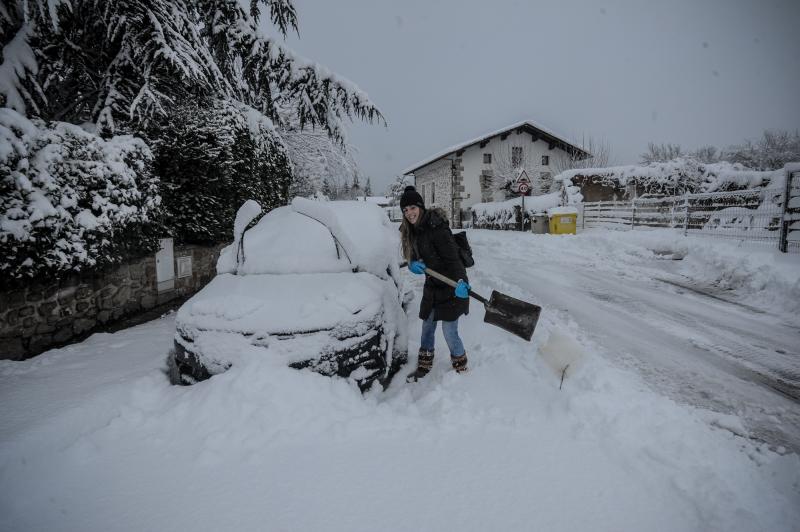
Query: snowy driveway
{"points": [[638, 308]]}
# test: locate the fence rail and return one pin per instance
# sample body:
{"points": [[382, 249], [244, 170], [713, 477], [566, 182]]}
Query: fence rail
{"points": [[754, 215]]}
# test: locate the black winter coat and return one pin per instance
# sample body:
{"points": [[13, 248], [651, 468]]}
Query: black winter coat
{"points": [[434, 245]]}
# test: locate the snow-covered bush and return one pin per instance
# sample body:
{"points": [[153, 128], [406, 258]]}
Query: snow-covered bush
{"points": [[674, 177], [211, 159], [500, 214], [71, 201]]}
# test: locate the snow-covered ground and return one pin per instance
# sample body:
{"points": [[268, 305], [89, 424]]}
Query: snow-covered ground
{"points": [[674, 414]]}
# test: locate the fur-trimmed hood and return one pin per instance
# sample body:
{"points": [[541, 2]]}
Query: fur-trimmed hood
{"points": [[434, 218]]}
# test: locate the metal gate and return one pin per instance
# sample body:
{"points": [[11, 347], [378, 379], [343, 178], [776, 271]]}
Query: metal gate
{"points": [[790, 222]]}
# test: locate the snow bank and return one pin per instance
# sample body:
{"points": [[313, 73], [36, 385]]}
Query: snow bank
{"points": [[754, 274]]}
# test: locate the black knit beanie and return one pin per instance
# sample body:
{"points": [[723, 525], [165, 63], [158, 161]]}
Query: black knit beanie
{"points": [[411, 197]]}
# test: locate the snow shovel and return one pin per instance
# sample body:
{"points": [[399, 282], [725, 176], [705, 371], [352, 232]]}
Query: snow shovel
{"points": [[506, 312]]}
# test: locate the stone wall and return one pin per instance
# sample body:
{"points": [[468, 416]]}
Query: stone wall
{"points": [[443, 175], [46, 315]]}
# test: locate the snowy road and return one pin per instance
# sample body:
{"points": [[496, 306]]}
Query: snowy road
{"points": [[725, 356]]}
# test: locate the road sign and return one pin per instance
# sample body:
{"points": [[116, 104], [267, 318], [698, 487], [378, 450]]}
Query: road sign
{"points": [[523, 188]]}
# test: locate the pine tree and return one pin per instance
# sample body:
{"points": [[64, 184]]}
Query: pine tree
{"points": [[120, 63], [368, 188], [327, 189], [213, 159], [137, 66], [345, 191], [355, 190]]}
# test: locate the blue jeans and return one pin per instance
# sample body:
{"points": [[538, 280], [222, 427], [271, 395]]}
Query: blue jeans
{"points": [[450, 330]]}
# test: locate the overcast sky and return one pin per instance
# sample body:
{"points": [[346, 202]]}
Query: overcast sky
{"points": [[692, 72]]}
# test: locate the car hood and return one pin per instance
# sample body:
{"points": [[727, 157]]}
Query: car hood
{"points": [[282, 304]]}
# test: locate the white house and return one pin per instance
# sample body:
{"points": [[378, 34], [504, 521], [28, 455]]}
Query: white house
{"points": [[473, 171]]}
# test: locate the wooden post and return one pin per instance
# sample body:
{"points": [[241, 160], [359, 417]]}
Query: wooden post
{"points": [[686, 215], [672, 214], [583, 216], [783, 243]]}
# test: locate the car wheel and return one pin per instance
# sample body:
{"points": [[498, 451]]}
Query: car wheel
{"points": [[173, 372]]}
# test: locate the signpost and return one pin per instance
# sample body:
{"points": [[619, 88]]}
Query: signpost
{"points": [[523, 186]]}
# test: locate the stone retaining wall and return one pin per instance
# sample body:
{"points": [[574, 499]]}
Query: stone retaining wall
{"points": [[40, 316]]}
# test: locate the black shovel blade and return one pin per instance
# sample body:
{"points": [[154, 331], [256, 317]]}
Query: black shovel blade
{"points": [[512, 315]]}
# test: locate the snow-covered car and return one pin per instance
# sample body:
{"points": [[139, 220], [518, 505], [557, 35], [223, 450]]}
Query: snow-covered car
{"points": [[311, 285]]}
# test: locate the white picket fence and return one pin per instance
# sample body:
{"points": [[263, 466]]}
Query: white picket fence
{"points": [[752, 215]]}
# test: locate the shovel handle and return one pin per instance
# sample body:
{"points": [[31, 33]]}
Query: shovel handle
{"points": [[447, 280]]}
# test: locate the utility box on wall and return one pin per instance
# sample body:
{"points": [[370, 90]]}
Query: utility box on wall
{"points": [[165, 266], [184, 266]]}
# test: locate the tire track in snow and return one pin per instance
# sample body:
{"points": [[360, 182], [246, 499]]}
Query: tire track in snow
{"points": [[707, 353]]}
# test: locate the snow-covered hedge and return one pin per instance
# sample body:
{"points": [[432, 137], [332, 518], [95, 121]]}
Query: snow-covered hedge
{"points": [[71, 201], [211, 160], [683, 174], [500, 214]]}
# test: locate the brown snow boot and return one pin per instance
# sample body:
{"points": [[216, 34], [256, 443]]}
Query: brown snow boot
{"points": [[459, 363], [424, 365]]}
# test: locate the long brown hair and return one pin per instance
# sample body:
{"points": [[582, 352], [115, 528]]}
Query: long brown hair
{"points": [[407, 236]]}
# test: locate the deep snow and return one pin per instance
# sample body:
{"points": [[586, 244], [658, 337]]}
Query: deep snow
{"points": [[92, 437]]}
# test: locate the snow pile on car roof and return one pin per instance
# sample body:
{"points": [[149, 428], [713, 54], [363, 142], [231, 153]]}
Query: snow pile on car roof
{"points": [[315, 237], [363, 228]]}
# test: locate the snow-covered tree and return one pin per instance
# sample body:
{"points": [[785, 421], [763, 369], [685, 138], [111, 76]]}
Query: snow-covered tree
{"points": [[316, 159], [508, 162], [396, 188], [659, 153], [599, 156], [772, 151], [213, 159], [368, 187], [138, 66], [345, 190], [119, 63], [355, 188], [327, 189], [706, 154], [71, 200]]}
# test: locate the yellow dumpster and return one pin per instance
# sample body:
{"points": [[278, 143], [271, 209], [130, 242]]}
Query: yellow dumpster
{"points": [[563, 220]]}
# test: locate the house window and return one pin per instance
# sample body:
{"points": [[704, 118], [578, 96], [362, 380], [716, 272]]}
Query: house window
{"points": [[516, 156], [545, 160], [433, 193], [487, 158], [546, 182]]}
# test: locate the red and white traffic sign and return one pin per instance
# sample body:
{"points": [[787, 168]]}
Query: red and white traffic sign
{"points": [[523, 188]]}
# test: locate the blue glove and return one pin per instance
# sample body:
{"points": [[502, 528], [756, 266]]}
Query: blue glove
{"points": [[417, 266], [462, 289]]}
